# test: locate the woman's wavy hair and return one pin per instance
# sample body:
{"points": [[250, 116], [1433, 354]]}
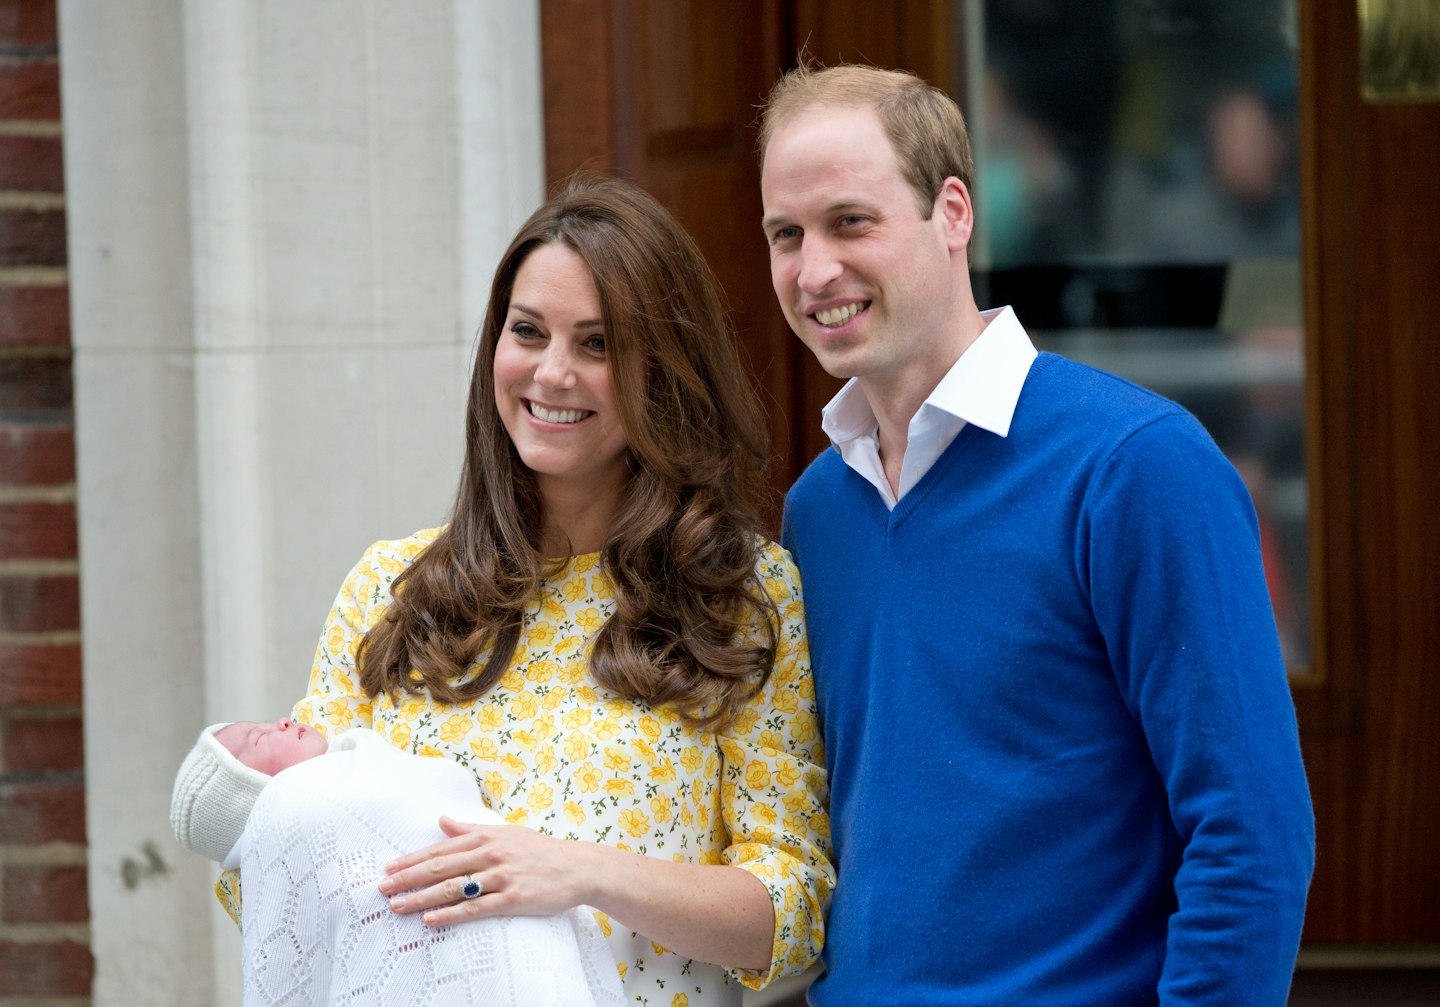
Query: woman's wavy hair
{"points": [[681, 554]]}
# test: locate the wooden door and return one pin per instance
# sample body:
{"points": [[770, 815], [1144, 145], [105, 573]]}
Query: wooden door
{"points": [[664, 92]]}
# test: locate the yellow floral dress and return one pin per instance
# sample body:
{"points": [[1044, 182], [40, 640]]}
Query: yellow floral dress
{"points": [[555, 751]]}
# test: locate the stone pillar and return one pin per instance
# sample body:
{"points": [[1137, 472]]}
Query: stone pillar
{"points": [[283, 220]]}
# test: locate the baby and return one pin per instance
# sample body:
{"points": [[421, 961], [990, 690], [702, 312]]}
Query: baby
{"points": [[310, 837]]}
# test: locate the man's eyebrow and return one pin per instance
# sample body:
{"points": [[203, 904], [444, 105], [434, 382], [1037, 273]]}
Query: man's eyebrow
{"points": [[840, 206]]}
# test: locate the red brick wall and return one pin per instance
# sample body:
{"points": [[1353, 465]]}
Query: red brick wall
{"points": [[44, 914]]}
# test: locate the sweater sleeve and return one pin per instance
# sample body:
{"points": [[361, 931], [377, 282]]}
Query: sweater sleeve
{"points": [[1172, 553], [774, 793]]}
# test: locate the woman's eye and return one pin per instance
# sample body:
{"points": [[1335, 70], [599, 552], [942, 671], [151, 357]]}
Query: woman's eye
{"points": [[524, 330], [596, 344]]}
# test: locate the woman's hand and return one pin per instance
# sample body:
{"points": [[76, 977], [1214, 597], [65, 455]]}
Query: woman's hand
{"points": [[520, 873]]}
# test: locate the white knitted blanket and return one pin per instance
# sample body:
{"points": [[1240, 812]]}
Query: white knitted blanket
{"points": [[316, 930]]}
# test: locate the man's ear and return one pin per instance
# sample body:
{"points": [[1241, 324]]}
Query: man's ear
{"points": [[956, 213]]}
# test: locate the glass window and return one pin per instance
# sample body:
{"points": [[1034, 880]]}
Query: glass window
{"points": [[1137, 199]]}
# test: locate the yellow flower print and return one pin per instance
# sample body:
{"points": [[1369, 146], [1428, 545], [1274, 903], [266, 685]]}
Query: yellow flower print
{"points": [[634, 823], [574, 589], [788, 774], [619, 788], [771, 740], [607, 729], [585, 562], [338, 713], [517, 817], [541, 796], [806, 689], [512, 764], [587, 777], [650, 728], [587, 695], [576, 718], [745, 720], [757, 774], [572, 672], [617, 758], [777, 589], [729, 793], [577, 746], [663, 771], [621, 967], [644, 751], [764, 813], [541, 671], [351, 615], [400, 735], [525, 740], [589, 619], [545, 761], [494, 784], [411, 708], [679, 1000], [512, 680], [567, 646], [389, 564], [712, 765], [552, 609], [544, 725], [335, 640], [430, 752], [714, 857], [702, 817], [490, 718], [554, 698], [786, 701], [687, 817], [525, 705], [733, 752], [662, 809], [539, 635], [574, 812], [485, 749], [604, 590], [413, 547], [455, 728], [344, 681], [802, 728], [372, 618], [690, 760]]}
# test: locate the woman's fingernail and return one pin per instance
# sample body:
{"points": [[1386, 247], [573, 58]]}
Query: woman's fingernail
{"points": [[398, 904], [387, 886]]}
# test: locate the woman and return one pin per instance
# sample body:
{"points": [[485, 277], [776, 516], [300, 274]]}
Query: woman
{"points": [[599, 633]]}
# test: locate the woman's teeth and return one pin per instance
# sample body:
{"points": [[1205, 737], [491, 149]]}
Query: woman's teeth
{"points": [[557, 415]]}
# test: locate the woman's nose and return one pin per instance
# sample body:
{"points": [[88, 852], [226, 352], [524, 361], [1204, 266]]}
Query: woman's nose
{"points": [[555, 369]]}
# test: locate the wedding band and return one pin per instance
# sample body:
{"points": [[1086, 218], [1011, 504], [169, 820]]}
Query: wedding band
{"points": [[470, 888]]}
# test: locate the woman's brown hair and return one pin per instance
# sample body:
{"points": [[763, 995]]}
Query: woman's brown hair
{"points": [[682, 551]]}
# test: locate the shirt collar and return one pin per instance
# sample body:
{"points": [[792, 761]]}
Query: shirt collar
{"points": [[982, 387]]}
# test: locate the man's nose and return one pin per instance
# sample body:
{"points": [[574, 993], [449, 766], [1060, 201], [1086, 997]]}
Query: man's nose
{"points": [[819, 266]]}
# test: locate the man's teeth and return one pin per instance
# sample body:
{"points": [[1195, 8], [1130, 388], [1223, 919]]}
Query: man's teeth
{"points": [[557, 415], [836, 316]]}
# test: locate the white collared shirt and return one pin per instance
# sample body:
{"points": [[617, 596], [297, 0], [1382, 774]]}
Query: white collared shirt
{"points": [[982, 388]]}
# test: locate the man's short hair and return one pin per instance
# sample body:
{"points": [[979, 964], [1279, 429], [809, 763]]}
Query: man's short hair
{"points": [[925, 127]]}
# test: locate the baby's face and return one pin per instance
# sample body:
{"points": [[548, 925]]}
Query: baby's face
{"points": [[270, 748]]}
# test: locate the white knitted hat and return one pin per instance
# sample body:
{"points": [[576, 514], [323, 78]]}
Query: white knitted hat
{"points": [[213, 796]]}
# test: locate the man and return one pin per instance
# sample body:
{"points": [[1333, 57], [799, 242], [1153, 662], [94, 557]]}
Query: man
{"points": [[1063, 754]]}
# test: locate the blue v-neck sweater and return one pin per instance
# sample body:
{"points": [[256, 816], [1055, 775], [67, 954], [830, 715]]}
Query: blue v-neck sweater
{"points": [[1063, 755]]}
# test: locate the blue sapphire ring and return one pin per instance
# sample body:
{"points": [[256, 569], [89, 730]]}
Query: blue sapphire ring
{"points": [[470, 888]]}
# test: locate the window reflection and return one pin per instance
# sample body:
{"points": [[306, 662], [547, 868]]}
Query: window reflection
{"points": [[1138, 202]]}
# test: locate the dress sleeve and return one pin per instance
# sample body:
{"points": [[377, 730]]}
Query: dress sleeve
{"points": [[334, 702], [773, 788], [1178, 590]]}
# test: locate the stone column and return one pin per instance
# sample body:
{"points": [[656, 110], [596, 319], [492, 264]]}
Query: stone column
{"points": [[283, 219]]}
